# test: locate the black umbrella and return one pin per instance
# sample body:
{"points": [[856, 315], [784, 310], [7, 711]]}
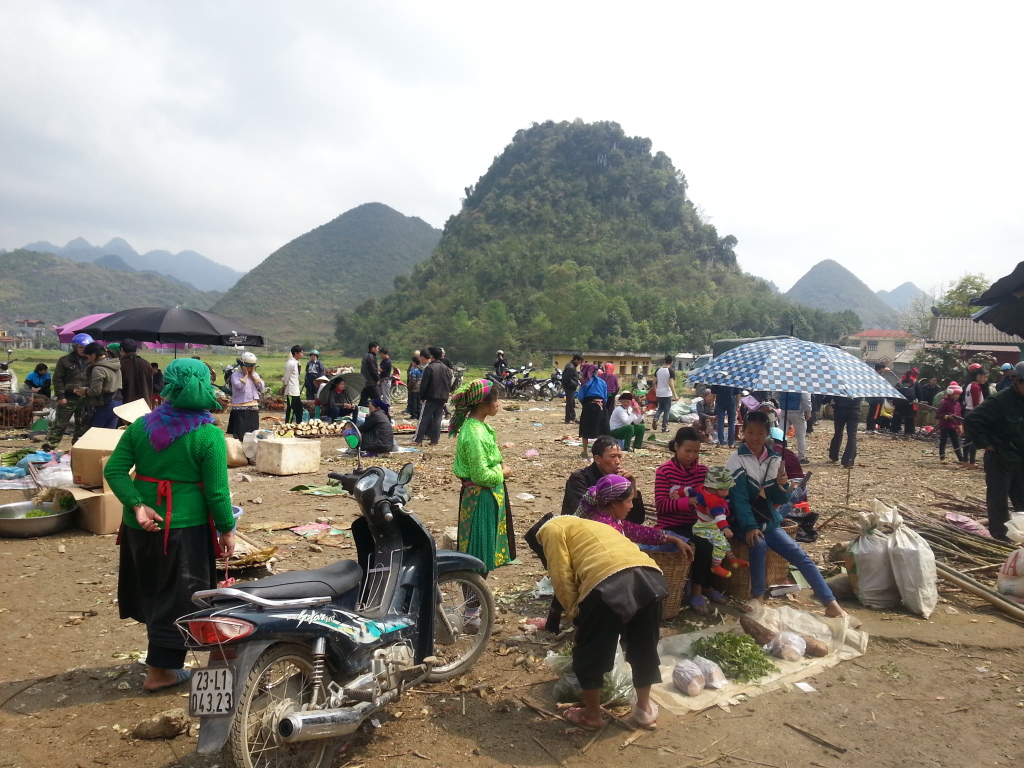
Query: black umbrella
{"points": [[1003, 303], [173, 325]]}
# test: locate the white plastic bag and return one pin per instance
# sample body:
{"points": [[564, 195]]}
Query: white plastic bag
{"points": [[787, 646], [714, 677], [1015, 528], [913, 564], [871, 571], [1010, 581], [688, 678], [59, 476], [236, 453], [616, 689]]}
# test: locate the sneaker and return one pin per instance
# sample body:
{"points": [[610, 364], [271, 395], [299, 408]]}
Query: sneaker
{"points": [[805, 461]]}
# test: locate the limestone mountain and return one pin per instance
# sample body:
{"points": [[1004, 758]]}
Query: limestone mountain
{"points": [[294, 293], [187, 266], [830, 285], [901, 296], [578, 236], [55, 289]]}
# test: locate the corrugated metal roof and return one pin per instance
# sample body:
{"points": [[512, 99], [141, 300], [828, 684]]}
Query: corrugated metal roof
{"points": [[963, 329]]}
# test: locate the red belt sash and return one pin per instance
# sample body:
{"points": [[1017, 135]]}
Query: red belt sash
{"points": [[165, 493]]}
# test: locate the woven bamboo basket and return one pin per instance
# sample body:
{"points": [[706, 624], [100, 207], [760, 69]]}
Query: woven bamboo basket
{"points": [[738, 585], [15, 416], [675, 570]]}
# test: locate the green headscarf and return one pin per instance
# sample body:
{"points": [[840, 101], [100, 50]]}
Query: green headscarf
{"points": [[187, 385]]}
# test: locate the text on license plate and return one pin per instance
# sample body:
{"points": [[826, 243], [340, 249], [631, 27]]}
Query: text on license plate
{"points": [[212, 692]]}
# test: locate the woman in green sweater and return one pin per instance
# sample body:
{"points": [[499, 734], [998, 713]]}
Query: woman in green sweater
{"points": [[485, 518], [172, 507]]}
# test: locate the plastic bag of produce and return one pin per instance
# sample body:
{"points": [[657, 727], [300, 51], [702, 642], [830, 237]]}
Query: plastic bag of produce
{"points": [[787, 646], [869, 565], [1015, 528], [714, 677], [688, 678], [913, 564], [1010, 581], [11, 473], [617, 687]]}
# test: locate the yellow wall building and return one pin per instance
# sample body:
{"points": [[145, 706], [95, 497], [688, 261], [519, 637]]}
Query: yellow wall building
{"points": [[626, 363]]}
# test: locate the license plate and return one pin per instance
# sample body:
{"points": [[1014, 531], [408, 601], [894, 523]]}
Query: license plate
{"points": [[212, 692]]}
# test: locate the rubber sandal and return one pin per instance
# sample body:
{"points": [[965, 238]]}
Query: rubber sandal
{"points": [[699, 605], [180, 676], [716, 597], [574, 715], [649, 722]]}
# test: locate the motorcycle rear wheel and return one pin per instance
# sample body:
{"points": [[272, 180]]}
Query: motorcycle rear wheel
{"points": [[458, 639], [282, 673], [548, 394]]}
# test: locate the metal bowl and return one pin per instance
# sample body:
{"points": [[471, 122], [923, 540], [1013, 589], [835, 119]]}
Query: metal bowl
{"points": [[13, 522]]}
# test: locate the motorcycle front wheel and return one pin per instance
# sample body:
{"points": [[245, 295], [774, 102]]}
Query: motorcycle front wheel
{"points": [[280, 682], [399, 394], [462, 624], [548, 394]]}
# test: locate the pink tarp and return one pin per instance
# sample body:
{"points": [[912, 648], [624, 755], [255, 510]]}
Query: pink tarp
{"points": [[68, 330]]}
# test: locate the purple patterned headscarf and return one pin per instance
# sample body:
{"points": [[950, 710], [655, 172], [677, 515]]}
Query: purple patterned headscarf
{"points": [[166, 424], [608, 489]]}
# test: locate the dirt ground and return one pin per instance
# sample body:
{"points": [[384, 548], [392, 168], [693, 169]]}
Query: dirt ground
{"points": [[948, 691]]}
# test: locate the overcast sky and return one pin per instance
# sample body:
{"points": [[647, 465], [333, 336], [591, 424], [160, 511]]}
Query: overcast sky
{"points": [[886, 136]]}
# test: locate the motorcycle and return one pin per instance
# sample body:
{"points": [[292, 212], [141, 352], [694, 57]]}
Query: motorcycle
{"points": [[506, 382], [299, 660], [399, 390], [552, 387], [526, 387]]}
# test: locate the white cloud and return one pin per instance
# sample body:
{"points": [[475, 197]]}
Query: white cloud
{"points": [[885, 137]]}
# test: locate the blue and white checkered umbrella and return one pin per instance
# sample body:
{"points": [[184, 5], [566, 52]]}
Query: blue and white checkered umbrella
{"points": [[794, 365]]}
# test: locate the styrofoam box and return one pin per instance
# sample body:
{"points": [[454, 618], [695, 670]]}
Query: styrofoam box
{"points": [[286, 456]]}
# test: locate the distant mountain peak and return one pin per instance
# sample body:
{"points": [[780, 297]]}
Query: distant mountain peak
{"points": [[900, 296], [78, 244], [829, 285]]}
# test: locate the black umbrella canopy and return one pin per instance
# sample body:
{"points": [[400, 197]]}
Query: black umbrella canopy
{"points": [[1003, 303], [173, 325]]}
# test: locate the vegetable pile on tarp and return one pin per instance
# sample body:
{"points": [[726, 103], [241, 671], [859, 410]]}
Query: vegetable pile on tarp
{"points": [[739, 656]]}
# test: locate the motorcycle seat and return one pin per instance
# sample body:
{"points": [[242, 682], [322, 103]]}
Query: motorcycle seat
{"points": [[331, 581]]}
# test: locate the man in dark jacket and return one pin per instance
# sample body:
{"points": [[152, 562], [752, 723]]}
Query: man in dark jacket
{"points": [[570, 383], [997, 427], [435, 389], [314, 370], [136, 375], [607, 461], [371, 372], [377, 433], [70, 374]]}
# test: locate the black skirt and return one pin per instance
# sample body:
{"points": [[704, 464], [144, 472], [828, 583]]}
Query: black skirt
{"points": [[242, 420], [155, 588], [593, 418]]}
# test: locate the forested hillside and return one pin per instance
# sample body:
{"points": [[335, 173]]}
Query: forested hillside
{"points": [[295, 292], [578, 236], [42, 286]]}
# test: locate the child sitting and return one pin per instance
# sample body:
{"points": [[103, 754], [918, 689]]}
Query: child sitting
{"points": [[712, 517]]}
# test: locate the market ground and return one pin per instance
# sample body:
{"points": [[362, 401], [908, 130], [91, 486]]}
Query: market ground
{"points": [[948, 691]]}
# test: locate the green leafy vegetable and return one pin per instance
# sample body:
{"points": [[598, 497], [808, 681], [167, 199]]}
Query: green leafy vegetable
{"points": [[739, 656], [39, 513]]}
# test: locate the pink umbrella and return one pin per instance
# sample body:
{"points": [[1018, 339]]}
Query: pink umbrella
{"points": [[68, 330]]}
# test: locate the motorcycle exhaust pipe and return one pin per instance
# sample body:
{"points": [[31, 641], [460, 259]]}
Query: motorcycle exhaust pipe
{"points": [[328, 723]]}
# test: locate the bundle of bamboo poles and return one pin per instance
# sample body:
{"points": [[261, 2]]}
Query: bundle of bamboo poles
{"points": [[967, 552]]}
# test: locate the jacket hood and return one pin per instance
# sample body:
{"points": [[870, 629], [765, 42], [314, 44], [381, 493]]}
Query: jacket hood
{"points": [[112, 363]]}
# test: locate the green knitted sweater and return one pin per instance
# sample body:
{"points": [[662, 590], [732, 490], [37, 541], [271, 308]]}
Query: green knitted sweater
{"points": [[198, 457]]}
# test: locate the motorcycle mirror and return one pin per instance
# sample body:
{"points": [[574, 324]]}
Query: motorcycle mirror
{"points": [[405, 474]]}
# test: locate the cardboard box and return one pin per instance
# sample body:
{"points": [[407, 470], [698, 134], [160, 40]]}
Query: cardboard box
{"points": [[99, 511], [88, 453], [288, 456]]}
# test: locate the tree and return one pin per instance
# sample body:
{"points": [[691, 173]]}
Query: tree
{"points": [[956, 301]]}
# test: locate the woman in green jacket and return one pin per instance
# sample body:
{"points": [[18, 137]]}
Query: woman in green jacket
{"points": [[177, 514]]}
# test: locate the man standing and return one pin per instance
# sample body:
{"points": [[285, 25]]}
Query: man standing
{"points": [[70, 374], [665, 390], [997, 427], [1007, 380], [435, 388], [570, 383], [136, 375], [158, 382], [386, 369], [796, 410], [292, 388], [371, 373], [314, 370]]}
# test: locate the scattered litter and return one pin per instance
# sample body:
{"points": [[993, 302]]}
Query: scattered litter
{"points": [[320, 490], [544, 588], [537, 424], [526, 497], [531, 454], [316, 529], [806, 687], [508, 445]]}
